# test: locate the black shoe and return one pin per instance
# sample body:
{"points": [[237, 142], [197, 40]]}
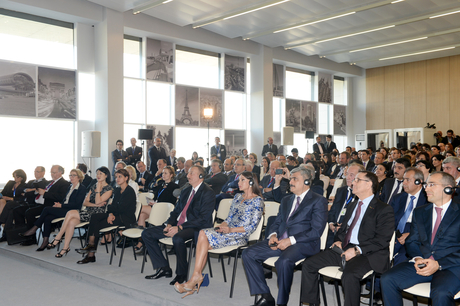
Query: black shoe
{"points": [[162, 272], [265, 302], [28, 242], [3, 239], [86, 260], [128, 243], [179, 278], [268, 274], [87, 249], [40, 249], [139, 251]]}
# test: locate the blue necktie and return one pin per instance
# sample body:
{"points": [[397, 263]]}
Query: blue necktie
{"points": [[403, 221]]}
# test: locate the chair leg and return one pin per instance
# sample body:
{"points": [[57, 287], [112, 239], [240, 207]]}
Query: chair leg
{"points": [[166, 253], [223, 267], [414, 301], [323, 291], [113, 248], [229, 258], [371, 301], [189, 262], [122, 251], [114, 243], [209, 265], [106, 246], [134, 250], [234, 273], [337, 292], [144, 259]]}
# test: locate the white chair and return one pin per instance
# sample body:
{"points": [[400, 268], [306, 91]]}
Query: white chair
{"points": [[271, 209], [334, 273], [224, 209], [158, 215], [423, 290], [229, 249], [142, 197]]}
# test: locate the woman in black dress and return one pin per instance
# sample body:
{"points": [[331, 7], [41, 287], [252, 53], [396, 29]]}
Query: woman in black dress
{"points": [[14, 189]]}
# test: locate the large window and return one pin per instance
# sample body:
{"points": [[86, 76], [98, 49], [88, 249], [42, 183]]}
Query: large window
{"points": [[298, 84], [189, 140], [197, 67], [339, 91], [235, 114], [160, 103], [132, 59]]}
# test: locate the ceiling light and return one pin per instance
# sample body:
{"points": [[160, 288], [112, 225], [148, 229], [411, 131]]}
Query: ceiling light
{"points": [[386, 45], [313, 22], [432, 17], [146, 6], [354, 34], [396, 1], [411, 54], [238, 13]]}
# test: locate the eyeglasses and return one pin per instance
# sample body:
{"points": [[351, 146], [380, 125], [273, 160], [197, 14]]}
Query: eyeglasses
{"points": [[432, 185], [357, 179], [72, 175]]}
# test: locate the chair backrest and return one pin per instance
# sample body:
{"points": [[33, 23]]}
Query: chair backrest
{"points": [[224, 208], [324, 237], [160, 213], [392, 246], [256, 234], [271, 209], [138, 209], [142, 197]]}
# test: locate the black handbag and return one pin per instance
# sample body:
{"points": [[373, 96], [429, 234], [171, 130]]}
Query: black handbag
{"points": [[12, 234]]}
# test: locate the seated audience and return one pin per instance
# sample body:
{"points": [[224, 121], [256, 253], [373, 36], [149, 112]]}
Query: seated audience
{"points": [[426, 168], [381, 172], [244, 216], [194, 157], [119, 213], [144, 179], [132, 179], [118, 166], [230, 188], [14, 189], [217, 179], [157, 176], [95, 202], [87, 179], [73, 200], [436, 161], [192, 213], [268, 182], [265, 169], [255, 168], [294, 235]]}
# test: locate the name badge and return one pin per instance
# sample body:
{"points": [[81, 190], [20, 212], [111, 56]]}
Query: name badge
{"points": [[218, 154], [343, 212]]}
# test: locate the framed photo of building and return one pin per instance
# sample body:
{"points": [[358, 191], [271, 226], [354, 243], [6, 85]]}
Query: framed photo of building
{"points": [[293, 114], [278, 81], [325, 87], [235, 73], [309, 117], [340, 120], [159, 60]]}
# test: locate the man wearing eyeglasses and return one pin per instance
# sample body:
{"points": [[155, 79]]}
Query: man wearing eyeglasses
{"points": [[363, 240], [433, 245]]}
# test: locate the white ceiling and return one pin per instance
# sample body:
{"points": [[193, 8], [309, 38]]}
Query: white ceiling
{"points": [[410, 17]]}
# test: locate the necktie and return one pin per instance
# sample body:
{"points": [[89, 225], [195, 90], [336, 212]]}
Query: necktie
{"points": [[350, 197], [285, 234], [374, 169], [47, 187], [237, 177], [395, 192], [183, 214], [403, 221], [269, 183], [350, 229], [320, 148], [327, 145], [438, 221]]}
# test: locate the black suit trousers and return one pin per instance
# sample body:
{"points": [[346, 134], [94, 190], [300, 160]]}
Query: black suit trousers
{"points": [[28, 213], [98, 222], [351, 277], [150, 238]]}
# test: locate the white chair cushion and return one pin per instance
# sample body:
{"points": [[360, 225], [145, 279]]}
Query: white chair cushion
{"points": [[421, 289], [271, 261], [133, 232]]}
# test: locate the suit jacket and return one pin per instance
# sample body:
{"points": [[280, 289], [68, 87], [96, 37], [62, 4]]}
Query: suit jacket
{"points": [[116, 156], [165, 194], [31, 195], [173, 164], [87, 181], [267, 149], [339, 201], [370, 165], [331, 147], [181, 178], [386, 190], [147, 176], [76, 198], [446, 245], [135, 156], [375, 232], [306, 224], [316, 148], [222, 152], [154, 156], [231, 183], [455, 141], [399, 206], [124, 205], [270, 196], [17, 194], [216, 182], [199, 213], [57, 192]]}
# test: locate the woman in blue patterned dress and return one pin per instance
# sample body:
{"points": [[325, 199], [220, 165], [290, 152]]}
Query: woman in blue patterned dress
{"points": [[244, 216]]}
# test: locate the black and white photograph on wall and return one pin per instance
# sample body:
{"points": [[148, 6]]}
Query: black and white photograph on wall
{"points": [[17, 89], [235, 68], [293, 114], [211, 98], [159, 60], [340, 120], [187, 106], [309, 116], [325, 83], [166, 133], [56, 93], [235, 142], [278, 81]]}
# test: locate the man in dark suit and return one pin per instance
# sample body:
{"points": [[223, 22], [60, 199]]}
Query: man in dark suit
{"points": [[219, 150], [403, 205], [367, 162], [217, 179], [228, 167], [181, 175], [230, 188], [145, 177], [134, 153], [330, 145], [172, 160], [270, 147], [451, 138], [192, 213], [433, 245], [364, 238], [87, 179], [55, 191], [339, 171], [318, 148], [296, 232], [295, 154], [268, 182], [119, 155], [343, 197], [155, 153], [393, 186]]}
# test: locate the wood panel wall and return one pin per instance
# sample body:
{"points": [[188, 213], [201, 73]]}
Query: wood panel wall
{"points": [[410, 95]]}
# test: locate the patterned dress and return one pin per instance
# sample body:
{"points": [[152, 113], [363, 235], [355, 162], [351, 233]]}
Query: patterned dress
{"points": [[85, 215], [245, 213]]}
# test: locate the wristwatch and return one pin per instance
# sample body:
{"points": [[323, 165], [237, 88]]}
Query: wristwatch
{"points": [[357, 251]]}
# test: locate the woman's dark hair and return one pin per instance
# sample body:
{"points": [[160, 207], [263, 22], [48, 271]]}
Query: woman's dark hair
{"points": [[427, 164], [106, 171], [268, 162], [194, 154], [451, 153], [438, 157], [328, 156], [123, 172], [20, 173], [255, 187]]}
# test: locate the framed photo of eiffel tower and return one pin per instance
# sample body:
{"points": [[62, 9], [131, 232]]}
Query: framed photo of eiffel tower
{"points": [[187, 106]]}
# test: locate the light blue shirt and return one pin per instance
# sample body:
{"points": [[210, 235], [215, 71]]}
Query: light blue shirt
{"points": [[354, 234]]}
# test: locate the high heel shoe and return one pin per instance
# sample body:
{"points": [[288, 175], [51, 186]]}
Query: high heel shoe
{"points": [[51, 245], [60, 254], [181, 288]]}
